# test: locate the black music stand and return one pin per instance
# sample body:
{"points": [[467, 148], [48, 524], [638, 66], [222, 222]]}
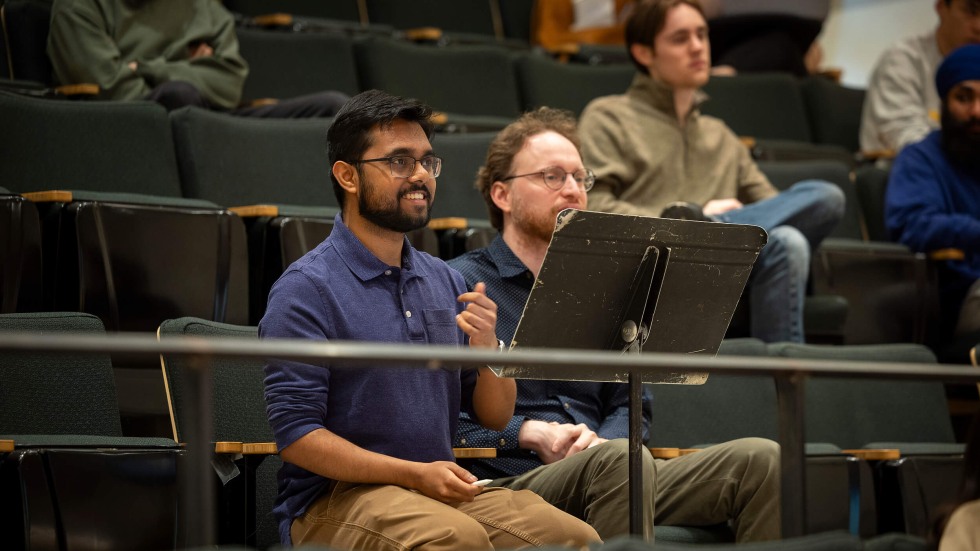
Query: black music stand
{"points": [[634, 283]]}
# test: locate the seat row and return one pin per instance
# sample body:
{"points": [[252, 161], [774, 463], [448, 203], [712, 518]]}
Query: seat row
{"points": [[490, 84], [194, 165], [59, 415]]}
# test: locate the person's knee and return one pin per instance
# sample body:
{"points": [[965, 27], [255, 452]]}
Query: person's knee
{"points": [[787, 242], [757, 451], [464, 534], [827, 200]]}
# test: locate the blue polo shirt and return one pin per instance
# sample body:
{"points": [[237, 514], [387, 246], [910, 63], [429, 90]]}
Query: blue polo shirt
{"points": [[603, 407], [341, 291]]}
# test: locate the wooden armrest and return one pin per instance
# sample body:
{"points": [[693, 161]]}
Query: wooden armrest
{"points": [[6, 445], [665, 453], [748, 141], [563, 52], [438, 117], [947, 254], [250, 448], [450, 223], [228, 447], [260, 448], [259, 102], [273, 20], [973, 357], [423, 34], [874, 455], [81, 89], [879, 154], [53, 196], [831, 73], [255, 211], [689, 451], [474, 453]]}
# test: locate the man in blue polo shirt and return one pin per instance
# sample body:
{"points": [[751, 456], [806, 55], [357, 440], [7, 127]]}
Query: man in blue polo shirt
{"points": [[567, 440], [367, 452]]}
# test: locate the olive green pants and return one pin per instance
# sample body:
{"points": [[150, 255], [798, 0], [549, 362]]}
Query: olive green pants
{"points": [[737, 481]]}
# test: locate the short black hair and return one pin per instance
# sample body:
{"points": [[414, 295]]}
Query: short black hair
{"points": [[349, 135]]}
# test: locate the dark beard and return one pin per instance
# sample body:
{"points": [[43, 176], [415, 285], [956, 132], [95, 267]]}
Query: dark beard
{"points": [[386, 214], [961, 142]]}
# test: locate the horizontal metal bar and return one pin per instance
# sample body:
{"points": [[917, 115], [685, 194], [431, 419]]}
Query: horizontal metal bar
{"points": [[549, 363]]}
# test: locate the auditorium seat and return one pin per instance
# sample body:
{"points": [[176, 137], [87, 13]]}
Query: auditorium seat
{"points": [[244, 444], [346, 10], [72, 478], [545, 81], [473, 85], [459, 212], [769, 108], [284, 64], [875, 413], [118, 239], [727, 407], [20, 255]]}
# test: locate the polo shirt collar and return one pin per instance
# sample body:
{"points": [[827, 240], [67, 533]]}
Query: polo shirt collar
{"points": [[506, 261], [362, 262]]}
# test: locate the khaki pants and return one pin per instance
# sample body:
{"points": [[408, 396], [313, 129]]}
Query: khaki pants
{"points": [[362, 516], [737, 480]]}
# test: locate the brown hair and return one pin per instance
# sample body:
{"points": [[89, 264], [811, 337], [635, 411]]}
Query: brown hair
{"points": [[510, 140], [647, 20]]}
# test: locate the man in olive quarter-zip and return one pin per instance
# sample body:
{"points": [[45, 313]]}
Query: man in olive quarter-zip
{"points": [[651, 148]]}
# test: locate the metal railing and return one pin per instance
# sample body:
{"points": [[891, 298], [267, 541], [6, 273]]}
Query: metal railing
{"points": [[560, 364]]}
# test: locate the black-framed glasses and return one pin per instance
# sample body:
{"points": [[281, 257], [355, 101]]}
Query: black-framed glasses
{"points": [[403, 166], [554, 177]]}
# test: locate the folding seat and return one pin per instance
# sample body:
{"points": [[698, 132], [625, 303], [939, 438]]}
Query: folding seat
{"points": [[547, 82], [769, 108], [285, 64], [244, 446], [118, 239], [477, 89], [834, 112], [516, 18], [884, 284], [26, 24], [459, 213], [276, 175], [344, 10], [241, 433], [727, 407], [70, 478], [886, 414], [444, 21], [20, 255]]}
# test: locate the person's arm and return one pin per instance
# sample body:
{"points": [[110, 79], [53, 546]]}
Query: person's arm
{"points": [[895, 112], [493, 397], [606, 152], [219, 76], [328, 455], [916, 212], [297, 398], [81, 51]]}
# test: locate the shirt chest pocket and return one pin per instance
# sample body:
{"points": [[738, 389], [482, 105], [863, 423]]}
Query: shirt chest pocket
{"points": [[440, 326]]}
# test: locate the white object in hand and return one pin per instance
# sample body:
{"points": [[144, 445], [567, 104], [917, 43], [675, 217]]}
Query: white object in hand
{"points": [[483, 482]]}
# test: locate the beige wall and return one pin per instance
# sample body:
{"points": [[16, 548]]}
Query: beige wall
{"points": [[858, 31]]}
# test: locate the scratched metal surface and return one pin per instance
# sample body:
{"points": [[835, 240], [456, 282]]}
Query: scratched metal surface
{"points": [[585, 291]]}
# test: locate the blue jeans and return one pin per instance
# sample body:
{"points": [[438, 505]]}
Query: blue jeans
{"points": [[797, 221]]}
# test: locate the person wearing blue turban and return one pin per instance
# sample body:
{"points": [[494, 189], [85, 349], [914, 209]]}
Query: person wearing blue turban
{"points": [[933, 197]]}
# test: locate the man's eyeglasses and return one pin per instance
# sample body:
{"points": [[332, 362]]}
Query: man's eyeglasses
{"points": [[403, 166], [554, 177]]}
